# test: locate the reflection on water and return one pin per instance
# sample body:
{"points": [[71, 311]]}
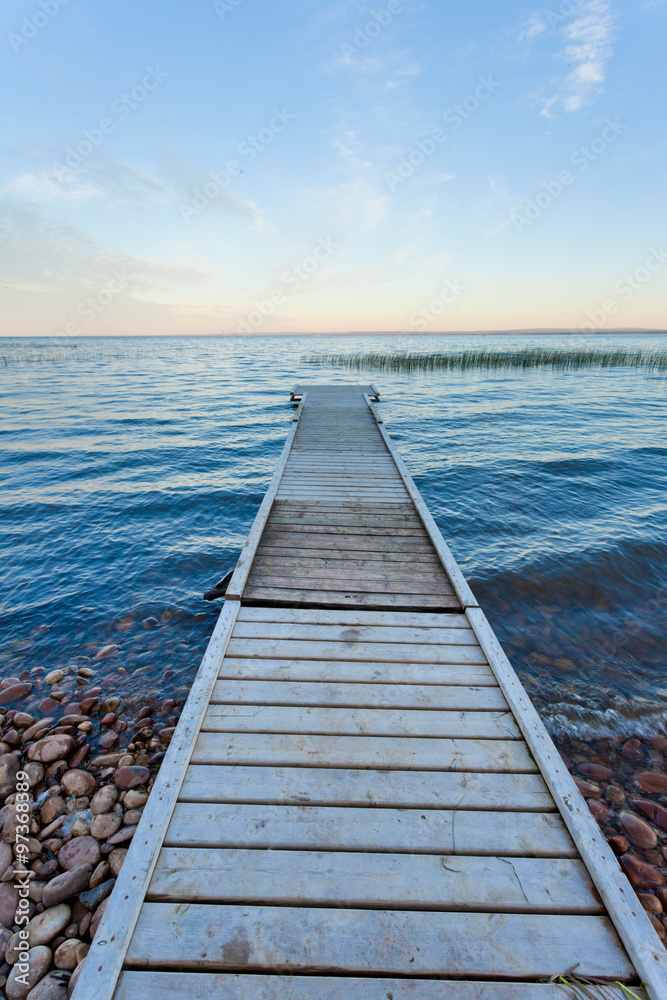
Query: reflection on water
{"points": [[131, 471]]}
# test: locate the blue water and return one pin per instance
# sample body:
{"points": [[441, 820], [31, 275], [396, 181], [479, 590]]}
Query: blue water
{"points": [[132, 470]]}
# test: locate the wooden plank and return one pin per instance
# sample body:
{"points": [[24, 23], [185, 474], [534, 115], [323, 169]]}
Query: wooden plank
{"points": [[351, 598], [462, 791], [434, 635], [376, 512], [403, 942], [347, 573], [381, 881], [312, 526], [99, 975], [359, 722], [399, 619], [325, 695], [353, 671], [370, 514], [301, 494], [275, 539], [344, 477], [416, 831], [313, 582], [359, 482], [361, 465], [243, 566], [631, 921], [383, 539], [347, 521], [387, 494], [383, 752], [311, 649], [231, 986], [276, 556]]}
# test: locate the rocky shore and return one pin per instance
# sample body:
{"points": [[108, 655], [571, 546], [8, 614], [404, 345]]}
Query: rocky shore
{"points": [[624, 783], [73, 786]]}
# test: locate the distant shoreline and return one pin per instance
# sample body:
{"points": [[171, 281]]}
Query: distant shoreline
{"points": [[548, 332]]}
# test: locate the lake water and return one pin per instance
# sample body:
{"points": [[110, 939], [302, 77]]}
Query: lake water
{"points": [[132, 470]]}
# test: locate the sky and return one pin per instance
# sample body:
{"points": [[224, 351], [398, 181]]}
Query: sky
{"points": [[264, 166]]}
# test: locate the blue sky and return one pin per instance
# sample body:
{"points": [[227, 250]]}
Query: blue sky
{"points": [[246, 165]]}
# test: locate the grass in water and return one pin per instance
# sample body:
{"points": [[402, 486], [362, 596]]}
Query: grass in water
{"points": [[524, 358], [60, 351]]}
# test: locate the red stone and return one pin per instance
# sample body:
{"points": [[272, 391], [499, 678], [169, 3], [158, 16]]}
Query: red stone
{"points": [[79, 755], [599, 810], [633, 749], [23, 720], [651, 781], [108, 740], [14, 692], [48, 705], [131, 776], [106, 651], [619, 844], [640, 873], [638, 830], [598, 772], [653, 810], [587, 788], [51, 748], [80, 851]]}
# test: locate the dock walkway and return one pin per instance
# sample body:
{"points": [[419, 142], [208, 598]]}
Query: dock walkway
{"points": [[360, 801]]}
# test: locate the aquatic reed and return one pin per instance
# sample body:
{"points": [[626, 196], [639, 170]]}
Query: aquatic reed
{"points": [[17, 352], [521, 358]]}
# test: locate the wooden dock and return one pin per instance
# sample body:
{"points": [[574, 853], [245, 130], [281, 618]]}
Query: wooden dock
{"points": [[360, 801]]}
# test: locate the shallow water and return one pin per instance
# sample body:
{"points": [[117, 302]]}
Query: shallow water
{"points": [[132, 470]]}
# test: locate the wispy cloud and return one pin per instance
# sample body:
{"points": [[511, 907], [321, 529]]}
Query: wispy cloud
{"points": [[102, 177], [46, 187], [584, 34], [589, 47], [53, 257]]}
